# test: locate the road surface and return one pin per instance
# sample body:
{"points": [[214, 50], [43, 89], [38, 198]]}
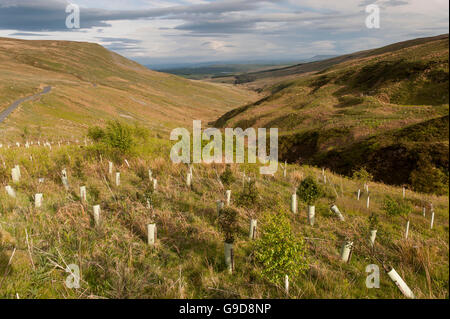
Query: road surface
{"points": [[15, 105]]}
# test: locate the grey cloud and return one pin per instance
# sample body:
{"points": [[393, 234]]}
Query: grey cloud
{"points": [[26, 15]]}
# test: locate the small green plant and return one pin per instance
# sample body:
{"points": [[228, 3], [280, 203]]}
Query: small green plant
{"points": [[362, 176], [248, 197], [228, 224], [309, 191], [227, 178], [396, 207], [279, 252]]}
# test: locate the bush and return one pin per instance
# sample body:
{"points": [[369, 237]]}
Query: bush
{"points": [[227, 177], [249, 195], [96, 133], [117, 139], [396, 207], [279, 252], [228, 224], [362, 175], [429, 179], [119, 136], [309, 191]]}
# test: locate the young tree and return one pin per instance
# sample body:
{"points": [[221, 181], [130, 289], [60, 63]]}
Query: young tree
{"points": [[309, 192], [279, 252]]}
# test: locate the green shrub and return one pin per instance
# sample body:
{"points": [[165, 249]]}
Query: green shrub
{"points": [[362, 175], [227, 177], [309, 191], [228, 224], [279, 252], [396, 207], [119, 136]]}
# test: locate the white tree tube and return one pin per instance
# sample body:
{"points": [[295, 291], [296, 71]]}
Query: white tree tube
{"points": [[373, 236], [64, 179], [401, 284], [15, 175], [253, 226], [110, 168], [188, 179], [38, 200], [10, 191], [151, 234], [346, 251], [294, 203], [286, 284], [228, 195], [96, 209], [117, 179], [83, 193], [336, 210], [228, 249], [407, 230], [432, 220], [311, 215]]}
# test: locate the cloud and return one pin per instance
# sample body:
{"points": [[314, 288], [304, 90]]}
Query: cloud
{"points": [[151, 31], [27, 15]]}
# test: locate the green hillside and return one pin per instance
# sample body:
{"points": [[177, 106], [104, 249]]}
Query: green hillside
{"points": [[91, 84], [365, 112]]}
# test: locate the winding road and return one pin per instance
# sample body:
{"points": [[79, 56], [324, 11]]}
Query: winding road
{"points": [[15, 105]]}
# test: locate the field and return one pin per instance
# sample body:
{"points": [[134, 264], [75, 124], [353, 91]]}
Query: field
{"points": [[115, 260], [375, 122]]}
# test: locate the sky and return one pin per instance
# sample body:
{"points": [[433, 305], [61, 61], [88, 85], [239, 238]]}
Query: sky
{"points": [[173, 32]]}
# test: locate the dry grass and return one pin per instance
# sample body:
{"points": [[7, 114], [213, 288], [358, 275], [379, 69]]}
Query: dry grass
{"points": [[187, 261]]}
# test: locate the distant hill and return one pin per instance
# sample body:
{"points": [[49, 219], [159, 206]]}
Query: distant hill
{"points": [[386, 109], [229, 72], [320, 63], [92, 85]]}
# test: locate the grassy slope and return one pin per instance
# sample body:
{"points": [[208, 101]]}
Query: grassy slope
{"points": [[91, 85], [187, 261], [336, 111]]}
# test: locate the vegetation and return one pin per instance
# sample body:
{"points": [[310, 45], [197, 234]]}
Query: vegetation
{"points": [[227, 177], [116, 262], [91, 86], [362, 176], [309, 191], [228, 224], [279, 252], [383, 110], [397, 207], [248, 197]]}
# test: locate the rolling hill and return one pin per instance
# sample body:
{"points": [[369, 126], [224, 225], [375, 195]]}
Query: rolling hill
{"points": [[92, 85], [372, 109]]}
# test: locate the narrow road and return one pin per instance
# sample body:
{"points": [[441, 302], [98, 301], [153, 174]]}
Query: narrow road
{"points": [[15, 105]]}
